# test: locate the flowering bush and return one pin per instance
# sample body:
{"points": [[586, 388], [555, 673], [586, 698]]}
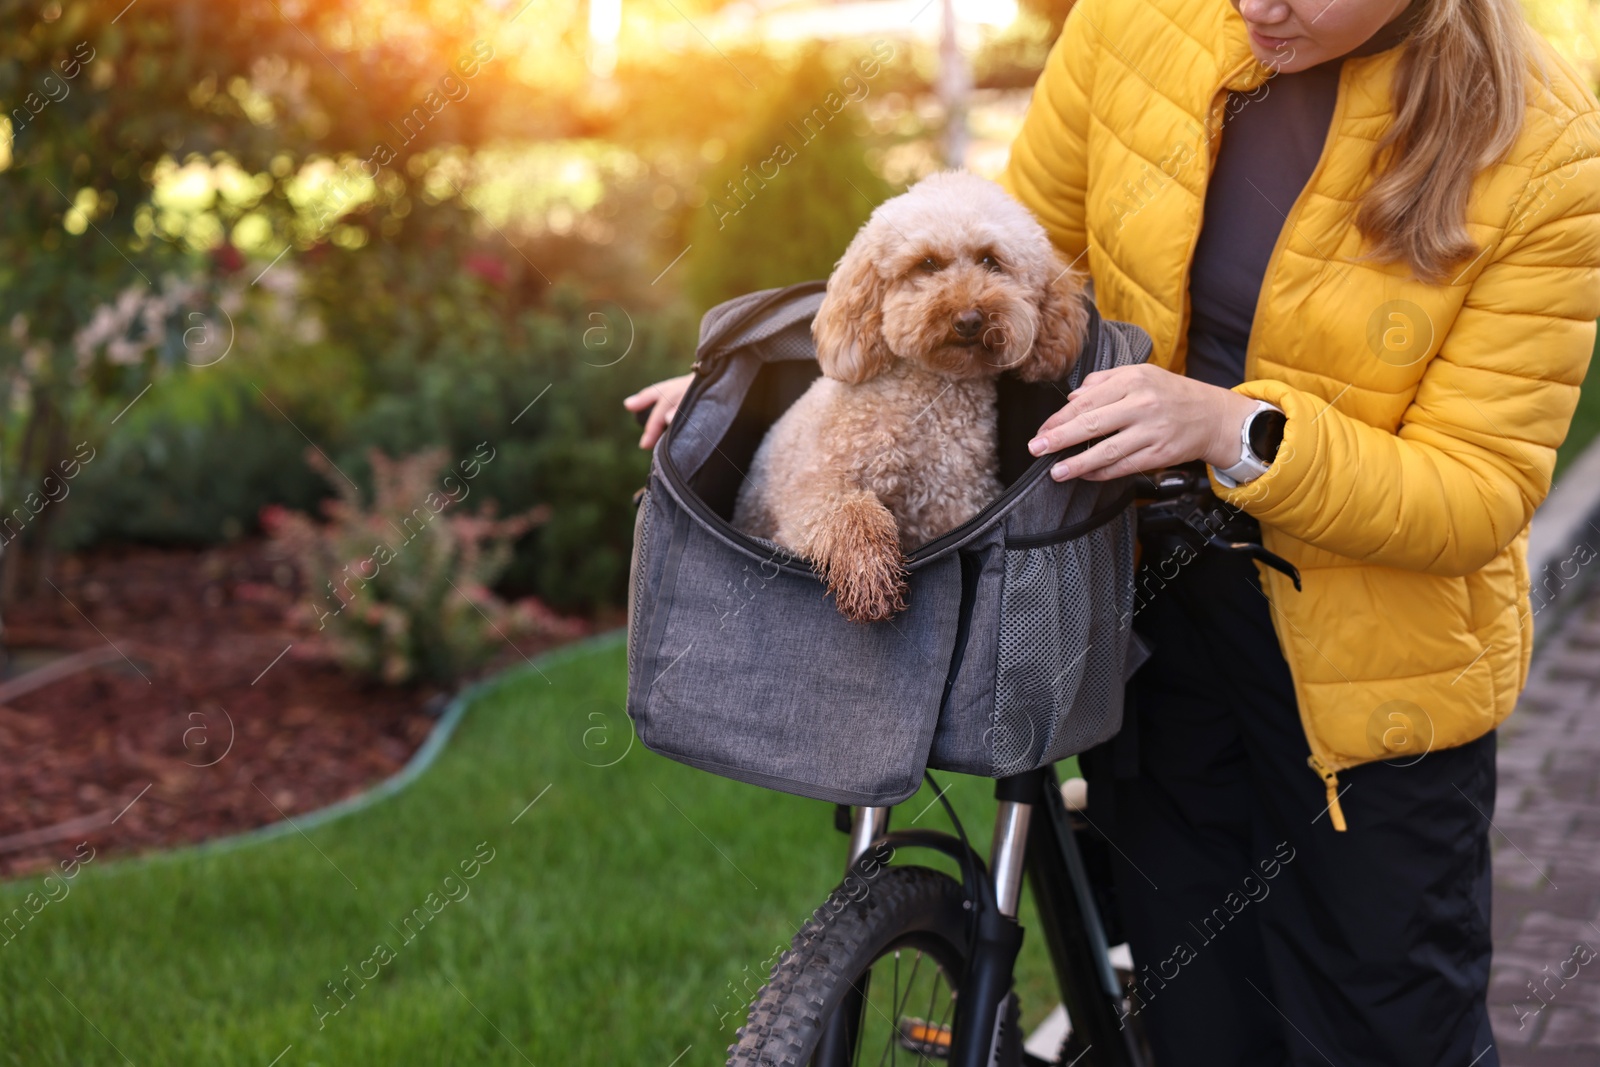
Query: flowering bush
{"points": [[400, 588]]}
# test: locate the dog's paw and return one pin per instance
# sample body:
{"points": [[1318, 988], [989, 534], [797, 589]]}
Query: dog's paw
{"points": [[874, 593], [857, 551]]}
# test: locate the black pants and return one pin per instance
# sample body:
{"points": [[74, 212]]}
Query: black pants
{"points": [[1261, 936]]}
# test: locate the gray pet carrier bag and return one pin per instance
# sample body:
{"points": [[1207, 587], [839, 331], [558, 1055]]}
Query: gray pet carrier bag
{"points": [[1011, 652]]}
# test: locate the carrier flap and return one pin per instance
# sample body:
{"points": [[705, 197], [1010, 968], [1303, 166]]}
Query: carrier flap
{"points": [[756, 316], [741, 669]]}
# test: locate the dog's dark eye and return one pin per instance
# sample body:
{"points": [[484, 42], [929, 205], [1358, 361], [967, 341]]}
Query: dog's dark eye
{"points": [[929, 264], [989, 263]]}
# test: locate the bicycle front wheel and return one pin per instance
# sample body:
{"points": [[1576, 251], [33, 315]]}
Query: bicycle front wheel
{"points": [[869, 980]]}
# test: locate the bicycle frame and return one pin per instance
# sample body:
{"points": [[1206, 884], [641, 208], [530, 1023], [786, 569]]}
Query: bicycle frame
{"points": [[1033, 838]]}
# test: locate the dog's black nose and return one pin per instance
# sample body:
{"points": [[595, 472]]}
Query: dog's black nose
{"points": [[968, 323]]}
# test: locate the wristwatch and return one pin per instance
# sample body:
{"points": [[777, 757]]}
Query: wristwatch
{"points": [[1259, 439]]}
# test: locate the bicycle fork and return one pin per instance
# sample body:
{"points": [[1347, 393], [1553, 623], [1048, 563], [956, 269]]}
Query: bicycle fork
{"points": [[986, 1029], [1033, 825], [1033, 838]]}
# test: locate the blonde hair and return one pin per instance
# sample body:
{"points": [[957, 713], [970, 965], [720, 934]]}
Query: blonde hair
{"points": [[1459, 94]]}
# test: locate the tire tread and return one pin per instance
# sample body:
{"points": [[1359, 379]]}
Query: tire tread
{"points": [[787, 1015]]}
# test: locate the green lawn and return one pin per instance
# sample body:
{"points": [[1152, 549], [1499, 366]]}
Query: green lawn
{"points": [[623, 918], [613, 924]]}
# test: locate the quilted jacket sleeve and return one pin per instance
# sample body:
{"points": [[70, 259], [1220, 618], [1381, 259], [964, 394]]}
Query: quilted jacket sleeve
{"points": [[1475, 451], [1049, 169]]}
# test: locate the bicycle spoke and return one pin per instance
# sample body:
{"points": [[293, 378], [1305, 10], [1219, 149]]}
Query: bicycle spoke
{"points": [[891, 1031], [900, 1006], [933, 996], [949, 1006], [893, 1037]]}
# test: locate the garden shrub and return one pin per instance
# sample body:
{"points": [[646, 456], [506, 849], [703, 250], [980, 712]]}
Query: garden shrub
{"points": [[196, 459], [400, 587], [547, 393]]}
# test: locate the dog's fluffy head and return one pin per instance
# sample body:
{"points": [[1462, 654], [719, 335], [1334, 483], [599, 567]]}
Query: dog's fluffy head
{"points": [[957, 276]]}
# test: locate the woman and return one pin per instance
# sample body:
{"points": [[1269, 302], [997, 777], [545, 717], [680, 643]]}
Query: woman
{"points": [[1365, 240]]}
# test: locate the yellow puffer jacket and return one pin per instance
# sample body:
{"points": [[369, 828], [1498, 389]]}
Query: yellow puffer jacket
{"points": [[1422, 419]]}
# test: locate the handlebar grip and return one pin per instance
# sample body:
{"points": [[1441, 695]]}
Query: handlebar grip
{"points": [[642, 416]]}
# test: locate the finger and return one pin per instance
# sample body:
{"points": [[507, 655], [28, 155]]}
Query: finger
{"points": [[642, 399], [1092, 462], [1098, 390], [1067, 411], [1146, 459], [1085, 425], [1118, 380], [656, 426]]}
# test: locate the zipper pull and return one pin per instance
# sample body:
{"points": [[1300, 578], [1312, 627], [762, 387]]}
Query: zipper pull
{"points": [[1331, 780]]}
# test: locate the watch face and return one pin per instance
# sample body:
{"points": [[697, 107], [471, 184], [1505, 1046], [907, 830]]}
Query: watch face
{"points": [[1266, 434]]}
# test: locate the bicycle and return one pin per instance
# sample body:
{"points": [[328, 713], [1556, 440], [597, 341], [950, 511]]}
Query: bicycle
{"points": [[847, 992], [824, 1004]]}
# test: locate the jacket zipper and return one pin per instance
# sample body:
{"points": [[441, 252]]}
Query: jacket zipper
{"points": [[1321, 761], [1213, 146], [1330, 779]]}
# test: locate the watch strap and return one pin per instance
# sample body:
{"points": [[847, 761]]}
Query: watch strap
{"points": [[1250, 466]]}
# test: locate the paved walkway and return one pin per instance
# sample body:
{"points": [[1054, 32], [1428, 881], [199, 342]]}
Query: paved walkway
{"points": [[1545, 990]]}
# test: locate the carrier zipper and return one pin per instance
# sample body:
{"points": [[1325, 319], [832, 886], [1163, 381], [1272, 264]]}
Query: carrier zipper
{"points": [[1330, 778], [938, 544], [1095, 519], [690, 500], [709, 367], [1020, 486], [1092, 337]]}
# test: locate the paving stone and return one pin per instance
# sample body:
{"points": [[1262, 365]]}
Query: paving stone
{"points": [[1507, 1034], [1546, 1058], [1578, 900], [1516, 873], [1547, 855], [1573, 1027], [1523, 765], [1558, 693]]}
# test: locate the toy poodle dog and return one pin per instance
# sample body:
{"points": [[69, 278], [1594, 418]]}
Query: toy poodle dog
{"points": [[943, 289]]}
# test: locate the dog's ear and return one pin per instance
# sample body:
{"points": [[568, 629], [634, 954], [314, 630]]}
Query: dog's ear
{"points": [[848, 328], [1063, 326]]}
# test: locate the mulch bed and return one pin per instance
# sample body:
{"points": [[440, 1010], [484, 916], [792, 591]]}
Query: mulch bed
{"points": [[204, 714]]}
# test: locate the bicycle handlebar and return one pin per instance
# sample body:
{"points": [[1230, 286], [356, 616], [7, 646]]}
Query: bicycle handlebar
{"points": [[1171, 483]]}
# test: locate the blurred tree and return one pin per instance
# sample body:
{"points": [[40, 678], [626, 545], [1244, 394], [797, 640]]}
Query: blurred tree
{"points": [[1053, 12], [782, 206], [175, 174], [98, 96]]}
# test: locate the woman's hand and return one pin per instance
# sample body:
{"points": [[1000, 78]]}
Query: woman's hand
{"points": [[1149, 417], [663, 399]]}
